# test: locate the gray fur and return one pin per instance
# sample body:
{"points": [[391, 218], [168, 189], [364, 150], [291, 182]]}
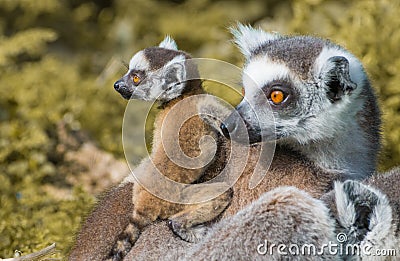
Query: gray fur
{"points": [[286, 50], [364, 219], [158, 57], [281, 216], [236, 237], [388, 182]]}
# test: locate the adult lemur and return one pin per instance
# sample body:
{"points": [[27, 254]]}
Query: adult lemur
{"points": [[327, 127], [322, 102], [325, 111]]}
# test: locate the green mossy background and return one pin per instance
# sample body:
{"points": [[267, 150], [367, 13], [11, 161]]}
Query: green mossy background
{"points": [[59, 59]]}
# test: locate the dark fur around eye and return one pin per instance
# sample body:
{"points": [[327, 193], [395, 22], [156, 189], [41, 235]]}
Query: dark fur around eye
{"points": [[284, 86], [139, 73]]}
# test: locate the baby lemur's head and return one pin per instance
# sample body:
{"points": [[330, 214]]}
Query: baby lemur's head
{"points": [[157, 73], [318, 92]]}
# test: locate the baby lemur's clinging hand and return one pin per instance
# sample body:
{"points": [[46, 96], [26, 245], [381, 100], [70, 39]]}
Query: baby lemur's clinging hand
{"points": [[159, 74]]}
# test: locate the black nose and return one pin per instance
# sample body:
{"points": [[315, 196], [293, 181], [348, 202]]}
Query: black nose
{"points": [[118, 84], [225, 131]]}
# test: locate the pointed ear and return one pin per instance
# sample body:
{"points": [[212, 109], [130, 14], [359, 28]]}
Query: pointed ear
{"points": [[248, 39], [175, 72], [335, 77], [168, 43]]}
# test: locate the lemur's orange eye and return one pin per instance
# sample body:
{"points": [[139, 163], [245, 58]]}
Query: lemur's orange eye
{"points": [[243, 91], [136, 79], [277, 97]]}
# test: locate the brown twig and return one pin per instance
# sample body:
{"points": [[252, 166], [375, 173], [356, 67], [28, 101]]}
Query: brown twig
{"points": [[34, 256]]}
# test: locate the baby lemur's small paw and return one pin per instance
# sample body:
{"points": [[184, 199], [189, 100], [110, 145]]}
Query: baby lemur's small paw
{"points": [[125, 242], [192, 223], [120, 249], [190, 234], [212, 112]]}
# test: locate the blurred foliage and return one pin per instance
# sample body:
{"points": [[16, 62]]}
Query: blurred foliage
{"points": [[59, 59]]}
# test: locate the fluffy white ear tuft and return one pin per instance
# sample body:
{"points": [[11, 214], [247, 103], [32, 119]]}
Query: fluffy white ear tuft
{"points": [[248, 38], [168, 43]]}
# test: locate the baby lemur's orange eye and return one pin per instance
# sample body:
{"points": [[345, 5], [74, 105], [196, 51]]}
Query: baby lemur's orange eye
{"points": [[277, 97], [136, 79]]}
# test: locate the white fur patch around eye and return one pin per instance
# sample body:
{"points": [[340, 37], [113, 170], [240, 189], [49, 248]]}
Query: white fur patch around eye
{"points": [[139, 62], [357, 74], [261, 71]]}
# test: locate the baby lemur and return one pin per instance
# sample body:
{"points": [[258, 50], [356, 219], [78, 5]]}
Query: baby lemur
{"points": [[158, 74]]}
